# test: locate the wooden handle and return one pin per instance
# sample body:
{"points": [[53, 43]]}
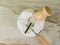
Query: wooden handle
{"points": [[43, 40]]}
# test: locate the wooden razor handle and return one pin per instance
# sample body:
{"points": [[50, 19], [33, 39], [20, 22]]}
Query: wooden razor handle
{"points": [[43, 40]]}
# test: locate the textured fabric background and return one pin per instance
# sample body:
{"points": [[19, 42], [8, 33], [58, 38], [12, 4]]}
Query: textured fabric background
{"points": [[52, 33]]}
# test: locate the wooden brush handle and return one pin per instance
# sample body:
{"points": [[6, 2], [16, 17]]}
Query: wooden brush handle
{"points": [[43, 40]]}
